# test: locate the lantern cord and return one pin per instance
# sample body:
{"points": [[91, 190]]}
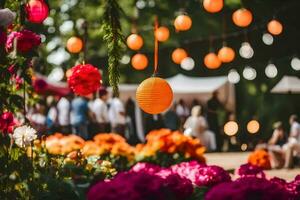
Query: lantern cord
{"points": [[155, 47]]}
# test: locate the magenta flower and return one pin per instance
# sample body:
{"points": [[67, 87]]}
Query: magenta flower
{"points": [[26, 41], [293, 187], [200, 174], [146, 168], [247, 188], [251, 170]]}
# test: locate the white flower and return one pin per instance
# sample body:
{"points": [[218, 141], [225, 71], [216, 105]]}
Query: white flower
{"points": [[24, 135]]}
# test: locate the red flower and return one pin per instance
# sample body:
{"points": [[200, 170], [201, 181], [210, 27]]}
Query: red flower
{"points": [[40, 85], [85, 79], [26, 41], [37, 11], [7, 122]]}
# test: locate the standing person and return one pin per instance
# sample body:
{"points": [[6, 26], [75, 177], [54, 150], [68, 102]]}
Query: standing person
{"points": [[212, 117], [182, 111], [131, 122], [292, 147], [51, 120], [64, 110], [196, 126], [79, 116], [100, 111], [116, 115], [171, 120]]}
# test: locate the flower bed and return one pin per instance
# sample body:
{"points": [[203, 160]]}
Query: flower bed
{"points": [[168, 166]]}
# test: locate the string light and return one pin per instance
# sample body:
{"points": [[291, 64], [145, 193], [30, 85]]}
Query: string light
{"points": [[246, 51], [271, 71], [233, 76], [267, 38], [249, 73], [125, 59], [231, 128], [295, 63], [253, 126], [187, 64]]}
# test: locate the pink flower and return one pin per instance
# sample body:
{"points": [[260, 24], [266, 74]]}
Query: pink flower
{"points": [[7, 122], [26, 41], [200, 174]]}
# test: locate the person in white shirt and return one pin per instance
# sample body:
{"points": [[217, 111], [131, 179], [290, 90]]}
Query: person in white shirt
{"points": [[117, 116], [292, 147], [64, 109], [100, 111], [196, 125]]}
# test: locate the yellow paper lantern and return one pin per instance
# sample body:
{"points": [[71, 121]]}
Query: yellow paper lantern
{"points": [[135, 41], [139, 61], [231, 128], [179, 55], [74, 45], [275, 27], [162, 34], [211, 61], [242, 17], [154, 95], [213, 6], [183, 23], [226, 54], [253, 126]]}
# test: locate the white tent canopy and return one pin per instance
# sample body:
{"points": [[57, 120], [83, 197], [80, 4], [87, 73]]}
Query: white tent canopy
{"points": [[190, 88], [288, 84]]}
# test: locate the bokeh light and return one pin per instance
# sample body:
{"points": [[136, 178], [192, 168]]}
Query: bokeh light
{"points": [[231, 128], [249, 73], [233, 76], [187, 64], [253, 126], [268, 39], [246, 51], [295, 63], [271, 71]]}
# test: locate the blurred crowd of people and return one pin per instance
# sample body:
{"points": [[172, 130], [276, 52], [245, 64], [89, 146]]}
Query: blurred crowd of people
{"points": [[283, 146], [100, 113]]}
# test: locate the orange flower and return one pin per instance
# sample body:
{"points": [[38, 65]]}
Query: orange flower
{"points": [[260, 158], [171, 142]]}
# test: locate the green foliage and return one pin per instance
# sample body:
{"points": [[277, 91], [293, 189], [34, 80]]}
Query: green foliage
{"points": [[164, 159], [114, 39]]}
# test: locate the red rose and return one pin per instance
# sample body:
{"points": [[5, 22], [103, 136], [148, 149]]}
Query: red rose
{"points": [[85, 79], [26, 41]]}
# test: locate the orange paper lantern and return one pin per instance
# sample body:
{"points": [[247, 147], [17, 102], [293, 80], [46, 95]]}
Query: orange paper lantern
{"points": [[178, 55], [154, 95], [135, 41], [226, 54], [162, 34], [139, 61], [275, 27], [242, 17], [213, 6], [74, 45], [211, 61], [183, 23]]}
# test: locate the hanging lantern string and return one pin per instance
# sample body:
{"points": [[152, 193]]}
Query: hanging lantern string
{"points": [[155, 46]]}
